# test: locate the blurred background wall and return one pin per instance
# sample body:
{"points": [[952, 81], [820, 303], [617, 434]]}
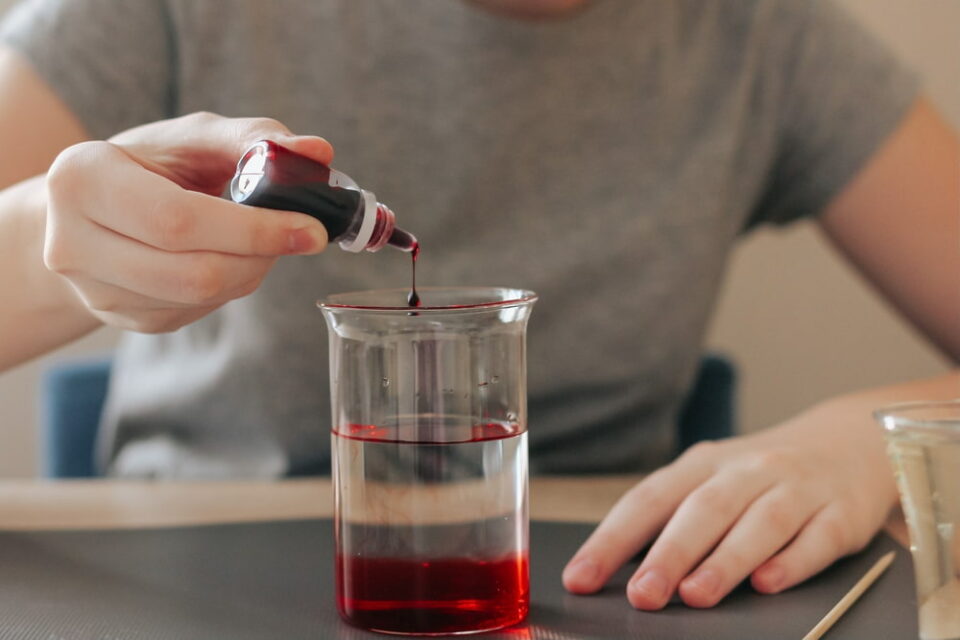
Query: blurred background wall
{"points": [[800, 325], [803, 326]]}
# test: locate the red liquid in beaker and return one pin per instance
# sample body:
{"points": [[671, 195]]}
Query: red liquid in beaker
{"points": [[433, 534], [433, 596]]}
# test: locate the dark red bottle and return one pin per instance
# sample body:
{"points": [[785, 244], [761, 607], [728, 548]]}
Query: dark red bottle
{"points": [[272, 176]]}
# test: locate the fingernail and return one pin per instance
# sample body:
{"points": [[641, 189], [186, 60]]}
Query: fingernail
{"points": [[705, 581], [582, 571], [652, 585], [772, 577], [305, 240]]}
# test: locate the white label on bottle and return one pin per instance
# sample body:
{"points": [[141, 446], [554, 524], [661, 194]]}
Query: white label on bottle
{"points": [[342, 180]]}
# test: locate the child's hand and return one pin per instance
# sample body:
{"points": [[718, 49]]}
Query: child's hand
{"points": [[137, 228], [777, 507]]}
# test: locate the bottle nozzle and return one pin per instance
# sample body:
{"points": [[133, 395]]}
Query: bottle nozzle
{"points": [[403, 240]]}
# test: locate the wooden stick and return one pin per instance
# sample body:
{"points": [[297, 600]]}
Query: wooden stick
{"points": [[852, 596]]}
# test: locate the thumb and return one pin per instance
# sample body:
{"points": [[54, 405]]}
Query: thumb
{"points": [[236, 135], [313, 147], [200, 151]]}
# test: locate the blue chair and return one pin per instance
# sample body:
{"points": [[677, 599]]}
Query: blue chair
{"points": [[709, 410], [72, 395]]}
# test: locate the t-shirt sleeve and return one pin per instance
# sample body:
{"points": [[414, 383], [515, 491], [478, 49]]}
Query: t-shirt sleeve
{"points": [[112, 62], [841, 94]]}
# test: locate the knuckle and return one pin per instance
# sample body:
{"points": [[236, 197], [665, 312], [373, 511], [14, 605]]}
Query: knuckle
{"points": [[643, 493], [713, 499], [249, 287], [779, 518], [203, 117], [671, 556], [704, 447], [265, 239], [836, 535], [102, 304], [147, 323], [257, 128], [770, 460], [65, 175], [173, 224], [738, 558], [62, 174], [160, 322], [203, 282], [602, 544], [858, 543], [58, 255], [122, 321], [270, 125], [701, 451]]}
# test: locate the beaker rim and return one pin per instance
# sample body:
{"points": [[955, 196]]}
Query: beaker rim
{"points": [[471, 298], [926, 415]]}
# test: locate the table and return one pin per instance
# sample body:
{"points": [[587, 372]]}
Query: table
{"points": [[94, 504], [143, 573], [116, 504]]}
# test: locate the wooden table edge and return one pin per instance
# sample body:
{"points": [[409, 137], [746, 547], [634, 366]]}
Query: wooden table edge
{"points": [[122, 504]]}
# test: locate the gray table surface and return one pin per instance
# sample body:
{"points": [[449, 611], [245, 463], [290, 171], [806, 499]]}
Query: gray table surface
{"points": [[275, 580]]}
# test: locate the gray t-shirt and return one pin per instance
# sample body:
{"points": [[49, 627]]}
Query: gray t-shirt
{"points": [[608, 160]]}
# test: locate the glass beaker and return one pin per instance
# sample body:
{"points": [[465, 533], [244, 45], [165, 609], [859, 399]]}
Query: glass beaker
{"points": [[923, 442], [430, 458]]}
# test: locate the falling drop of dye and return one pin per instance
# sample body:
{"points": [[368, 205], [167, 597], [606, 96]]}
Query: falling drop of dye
{"points": [[413, 299]]}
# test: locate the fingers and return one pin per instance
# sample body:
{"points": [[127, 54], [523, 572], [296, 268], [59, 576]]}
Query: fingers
{"points": [[135, 226], [700, 522], [152, 210], [717, 522], [199, 278], [153, 321], [633, 521], [178, 221], [199, 151], [776, 508], [237, 134], [131, 311], [827, 537], [768, 524]]}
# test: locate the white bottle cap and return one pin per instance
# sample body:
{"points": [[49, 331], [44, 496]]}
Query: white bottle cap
{"points": [[359, 243]]}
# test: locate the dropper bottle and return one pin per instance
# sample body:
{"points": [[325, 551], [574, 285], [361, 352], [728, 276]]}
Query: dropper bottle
{"points": [[272, 176]]}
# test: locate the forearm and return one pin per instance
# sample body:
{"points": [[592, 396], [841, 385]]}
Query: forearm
{"points": [[851, 414], [39, 311], [847, 421], [897, 223]]}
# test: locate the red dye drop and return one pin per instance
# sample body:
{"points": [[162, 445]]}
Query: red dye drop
{"points": [[413, 300]]}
